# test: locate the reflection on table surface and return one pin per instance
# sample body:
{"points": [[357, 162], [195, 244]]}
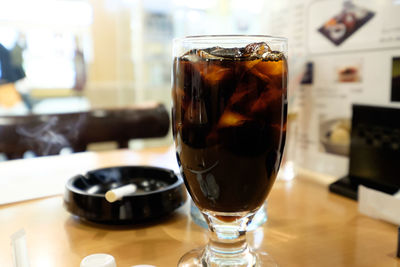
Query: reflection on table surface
{"points": [[307, 225]]}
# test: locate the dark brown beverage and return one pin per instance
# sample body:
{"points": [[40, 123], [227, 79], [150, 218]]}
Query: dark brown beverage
{"points": [[229, 124]]}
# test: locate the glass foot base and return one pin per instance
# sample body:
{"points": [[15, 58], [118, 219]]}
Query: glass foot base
{"points": [[200, 258]]}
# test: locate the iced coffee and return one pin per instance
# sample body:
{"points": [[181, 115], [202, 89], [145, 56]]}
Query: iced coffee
{"points": [[229, 124]]}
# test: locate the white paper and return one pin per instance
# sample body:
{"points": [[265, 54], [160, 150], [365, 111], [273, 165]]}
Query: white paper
{"points": [[25, 179], [378, 205]]}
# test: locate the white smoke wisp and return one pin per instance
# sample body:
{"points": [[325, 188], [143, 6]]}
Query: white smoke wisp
{"points": [[52, 135]]}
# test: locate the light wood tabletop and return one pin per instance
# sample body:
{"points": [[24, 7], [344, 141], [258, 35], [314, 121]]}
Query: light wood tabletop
{"points": [[307, 225]]}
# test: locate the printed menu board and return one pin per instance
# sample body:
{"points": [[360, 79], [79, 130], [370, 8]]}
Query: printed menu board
{"points": [[340, 53]]}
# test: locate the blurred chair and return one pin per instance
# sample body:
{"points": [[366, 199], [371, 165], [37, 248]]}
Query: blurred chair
{"points": [[49, 134]]}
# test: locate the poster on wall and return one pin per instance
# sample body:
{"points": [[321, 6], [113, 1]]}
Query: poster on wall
{"points": [[352, 56]]}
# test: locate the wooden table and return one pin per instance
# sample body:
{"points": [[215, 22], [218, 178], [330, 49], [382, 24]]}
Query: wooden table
{"points": [[307, 226]]}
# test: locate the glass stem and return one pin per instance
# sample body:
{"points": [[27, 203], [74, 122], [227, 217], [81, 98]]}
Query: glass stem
{"points": [[228, 240]]}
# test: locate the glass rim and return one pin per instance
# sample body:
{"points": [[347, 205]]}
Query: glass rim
{"points": [[199, 38]]}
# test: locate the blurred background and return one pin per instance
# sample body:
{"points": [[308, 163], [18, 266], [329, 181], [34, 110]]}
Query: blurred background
{"points": [[79, 55]]}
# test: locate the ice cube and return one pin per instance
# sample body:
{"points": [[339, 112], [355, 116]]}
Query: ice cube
{"points": [[191, 56], [243, 93], [266, 99], [256, 50], [267, 70], [199, 63], [230, 118], [196, 55], [246, 92], [226, 53], [262, 51], [258, 71], [273, 56], [249, 64], [214, 74], [206, 55], [270, 68]]}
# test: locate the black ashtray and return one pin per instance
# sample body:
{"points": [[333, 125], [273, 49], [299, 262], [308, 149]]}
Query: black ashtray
{"points": [[159, 192]]}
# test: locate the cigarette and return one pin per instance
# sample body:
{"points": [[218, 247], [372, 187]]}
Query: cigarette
{"points": [[20, 251], [118, 193]]}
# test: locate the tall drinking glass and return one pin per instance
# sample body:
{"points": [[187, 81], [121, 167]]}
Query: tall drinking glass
{"points": [[229, 122]]}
